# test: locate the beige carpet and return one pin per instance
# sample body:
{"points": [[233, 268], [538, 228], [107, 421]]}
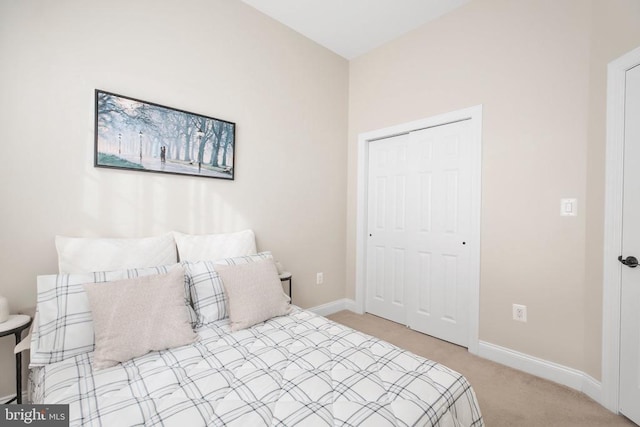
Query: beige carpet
{"points": [[507, 397]]}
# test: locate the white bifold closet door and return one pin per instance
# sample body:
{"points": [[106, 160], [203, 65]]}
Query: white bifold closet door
{"points": [[419, 219]]}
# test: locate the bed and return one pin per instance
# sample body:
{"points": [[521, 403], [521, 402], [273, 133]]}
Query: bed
{"points": [[291, 369]]}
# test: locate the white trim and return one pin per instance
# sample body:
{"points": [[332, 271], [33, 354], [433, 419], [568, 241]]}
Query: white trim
{"points": [[334, 307], [7, 397], [551, 371], [475, 115], [613, 227], [12, 396], [592, 387]]}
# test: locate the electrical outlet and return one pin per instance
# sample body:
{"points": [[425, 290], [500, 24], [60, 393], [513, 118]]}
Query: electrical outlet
{"points": [[319, 278], [520, 312]]}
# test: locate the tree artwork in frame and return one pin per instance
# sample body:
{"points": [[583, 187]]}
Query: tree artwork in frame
{"points": [[139, 135]]}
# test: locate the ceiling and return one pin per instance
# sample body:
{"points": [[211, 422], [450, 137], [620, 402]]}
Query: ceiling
{"points": [[353, 27]]}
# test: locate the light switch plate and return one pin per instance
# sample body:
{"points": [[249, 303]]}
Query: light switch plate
{"points": [[568, 207]]}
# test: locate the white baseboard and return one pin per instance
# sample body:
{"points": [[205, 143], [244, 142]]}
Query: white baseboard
{"points": [[334, 307], [12, 396], [551, 371], [592, 388]]}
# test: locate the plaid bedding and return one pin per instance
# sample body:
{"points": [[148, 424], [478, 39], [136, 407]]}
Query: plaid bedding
{"points": [[295, 370]]}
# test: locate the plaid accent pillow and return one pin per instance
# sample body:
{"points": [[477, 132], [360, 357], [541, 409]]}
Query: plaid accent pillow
{"points": [[206, 289], [64, 323]]}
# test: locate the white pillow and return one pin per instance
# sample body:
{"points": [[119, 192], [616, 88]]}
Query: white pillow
{"points": [[206, 289], [64, 323], [254, 292], [206, 247], [132, 317], [82, 255]]}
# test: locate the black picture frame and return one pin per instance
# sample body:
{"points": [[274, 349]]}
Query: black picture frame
{"points": [[144, 136]]}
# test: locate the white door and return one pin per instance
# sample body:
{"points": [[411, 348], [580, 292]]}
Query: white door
{"points": [[419, 218], [439, 290], [630, 286], [387, 245]]}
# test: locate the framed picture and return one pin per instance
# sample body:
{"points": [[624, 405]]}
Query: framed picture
{"points": [[139, 135]]}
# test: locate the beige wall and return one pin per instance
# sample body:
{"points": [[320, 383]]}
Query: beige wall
{"points": [[537, 69], [219, 58]]}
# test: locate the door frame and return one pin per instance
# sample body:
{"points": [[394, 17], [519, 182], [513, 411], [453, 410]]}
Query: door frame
{"points": [[475, 115], [612, 272]]}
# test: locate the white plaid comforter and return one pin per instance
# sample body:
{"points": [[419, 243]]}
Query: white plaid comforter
{"points": [[296, 370]]}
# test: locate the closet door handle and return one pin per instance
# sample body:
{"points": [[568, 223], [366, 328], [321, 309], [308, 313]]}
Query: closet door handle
{"points": [[630, 261]]}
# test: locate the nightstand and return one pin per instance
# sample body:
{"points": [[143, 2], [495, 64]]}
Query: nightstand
{"points": [[14, 326], [286, 277]]}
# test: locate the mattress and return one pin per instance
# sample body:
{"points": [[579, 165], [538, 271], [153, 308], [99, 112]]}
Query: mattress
{"points": [[296, 370]]}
